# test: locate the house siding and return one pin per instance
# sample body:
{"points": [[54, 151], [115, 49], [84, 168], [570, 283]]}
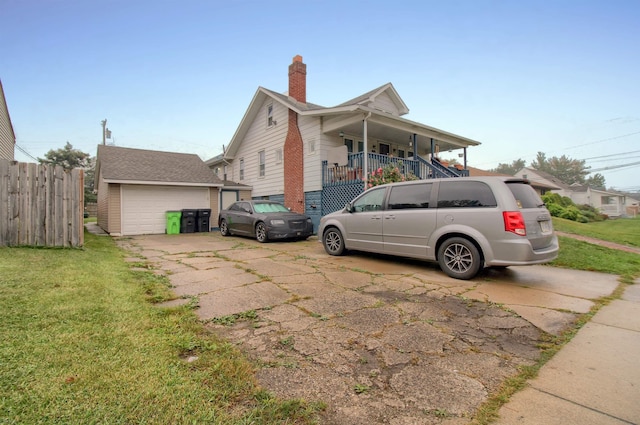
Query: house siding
{"points": [[103, 204], [384, 103], [7, 136], [260, 137], [115, 209], [214, 203]]}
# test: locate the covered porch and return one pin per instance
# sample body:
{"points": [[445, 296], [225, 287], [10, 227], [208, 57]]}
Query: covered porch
{"points": [[368, 141]]}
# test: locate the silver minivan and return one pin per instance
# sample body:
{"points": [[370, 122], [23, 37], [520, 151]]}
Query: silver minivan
{"points": [[463, 223]]}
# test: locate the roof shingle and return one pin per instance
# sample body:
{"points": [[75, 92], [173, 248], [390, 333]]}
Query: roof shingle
{"points": [[141, 165]]}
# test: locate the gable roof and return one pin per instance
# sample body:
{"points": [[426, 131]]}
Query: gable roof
{"points": [[141, 166], [355, 109], [553, 182]]}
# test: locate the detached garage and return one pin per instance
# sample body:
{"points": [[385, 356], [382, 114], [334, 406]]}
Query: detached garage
{"points": [[136, 188]]}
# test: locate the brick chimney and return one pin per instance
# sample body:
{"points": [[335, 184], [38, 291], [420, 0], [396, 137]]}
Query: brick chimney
{"points": [[298, 80], [293, 143]]}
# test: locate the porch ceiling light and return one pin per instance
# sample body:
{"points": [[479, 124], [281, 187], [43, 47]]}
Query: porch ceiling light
{"points": [[342, 134]]}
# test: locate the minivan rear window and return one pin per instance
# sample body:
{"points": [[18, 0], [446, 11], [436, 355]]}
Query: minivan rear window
{"points": [[459, 194], [525, 195]]}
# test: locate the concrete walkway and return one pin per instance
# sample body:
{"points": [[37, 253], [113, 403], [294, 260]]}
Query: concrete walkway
{"points": [[594, 379]]}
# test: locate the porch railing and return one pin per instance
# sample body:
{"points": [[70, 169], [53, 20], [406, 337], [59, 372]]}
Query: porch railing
{"points": [[336, 175]]}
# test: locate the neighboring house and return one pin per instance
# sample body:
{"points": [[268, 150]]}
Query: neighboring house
{"points": [[7, 135], [136, 188], [312, 158], [541, 181], [607, 202]]}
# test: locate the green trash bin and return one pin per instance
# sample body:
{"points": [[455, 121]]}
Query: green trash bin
{"points": [[173, 222]]}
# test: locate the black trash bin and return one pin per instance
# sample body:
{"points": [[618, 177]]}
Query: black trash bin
{"points": [[203, 220], [188, 221]]}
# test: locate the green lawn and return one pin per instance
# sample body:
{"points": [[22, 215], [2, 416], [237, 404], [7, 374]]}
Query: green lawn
{"points": [[625, 231], [579, 255], [81, 343]]}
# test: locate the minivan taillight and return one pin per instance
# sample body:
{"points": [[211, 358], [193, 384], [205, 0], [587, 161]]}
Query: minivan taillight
{"points": [[514, 222]]}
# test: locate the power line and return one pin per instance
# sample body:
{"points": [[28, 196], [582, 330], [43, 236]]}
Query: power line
{"points": [[24, 151]]}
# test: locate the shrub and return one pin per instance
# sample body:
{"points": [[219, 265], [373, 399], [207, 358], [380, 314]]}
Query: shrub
{"points": [[390, 173]]}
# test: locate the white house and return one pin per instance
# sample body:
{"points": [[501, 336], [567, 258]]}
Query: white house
{"points": [[607, 202], [312, 158]]}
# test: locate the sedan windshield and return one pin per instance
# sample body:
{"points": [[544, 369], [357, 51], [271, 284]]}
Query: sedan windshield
{"points": [[269, 208]]}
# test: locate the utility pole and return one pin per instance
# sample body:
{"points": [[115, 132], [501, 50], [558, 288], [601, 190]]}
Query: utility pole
{"points": [[104, 131]]}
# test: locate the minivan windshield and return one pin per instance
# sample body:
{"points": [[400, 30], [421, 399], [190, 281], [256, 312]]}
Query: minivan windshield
{"points": [[525, 195]]}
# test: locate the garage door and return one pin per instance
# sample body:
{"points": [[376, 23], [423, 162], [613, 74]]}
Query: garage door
{"points": [[144, 207]]}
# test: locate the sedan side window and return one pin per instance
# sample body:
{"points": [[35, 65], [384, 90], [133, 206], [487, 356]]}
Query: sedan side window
{"points": [[370, 201]]}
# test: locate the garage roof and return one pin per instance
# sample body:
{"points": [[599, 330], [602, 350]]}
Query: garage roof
{"points": [[141, 166]]}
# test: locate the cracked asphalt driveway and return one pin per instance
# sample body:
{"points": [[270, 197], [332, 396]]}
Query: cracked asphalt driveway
{"points": [[378, 339]]}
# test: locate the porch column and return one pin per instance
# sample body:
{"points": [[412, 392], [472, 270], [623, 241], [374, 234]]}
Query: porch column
{"points": [[365, 159]]}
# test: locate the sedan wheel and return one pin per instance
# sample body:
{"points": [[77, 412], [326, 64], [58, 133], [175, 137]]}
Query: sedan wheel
{"points": [[224, 228], [459, 258], [333, 241], [261, 232]]}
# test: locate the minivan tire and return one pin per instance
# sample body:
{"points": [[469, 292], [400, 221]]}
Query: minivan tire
{"points": [[459, 258], [333, 241]]}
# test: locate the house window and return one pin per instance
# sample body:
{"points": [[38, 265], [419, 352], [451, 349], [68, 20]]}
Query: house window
{"points": [[400, 153], [312, 146], [278, 156], [261, 163], [225, 173], [270, 121], [360, 146], [349, 144], [241, 168]]}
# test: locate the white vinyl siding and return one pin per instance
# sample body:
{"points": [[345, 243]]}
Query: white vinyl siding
{"points": [[384, 103], [144, 207], [7, 138], [260, 138]]}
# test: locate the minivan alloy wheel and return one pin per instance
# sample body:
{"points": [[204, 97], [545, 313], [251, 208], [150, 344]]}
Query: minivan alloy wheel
{"points": [[459, 258], [333, 242]]}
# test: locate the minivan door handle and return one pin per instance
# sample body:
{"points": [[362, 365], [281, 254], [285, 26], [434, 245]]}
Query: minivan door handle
{"points": [[389, 217]]}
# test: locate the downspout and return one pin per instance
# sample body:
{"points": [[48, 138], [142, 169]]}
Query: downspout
{"points": [[365, 160]]}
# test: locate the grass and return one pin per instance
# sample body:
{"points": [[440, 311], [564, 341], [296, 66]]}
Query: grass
{"points": [[81, 342], [623, 231]]}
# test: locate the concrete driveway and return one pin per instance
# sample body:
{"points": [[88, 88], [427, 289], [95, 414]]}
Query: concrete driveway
{"points": [[379, 339]]}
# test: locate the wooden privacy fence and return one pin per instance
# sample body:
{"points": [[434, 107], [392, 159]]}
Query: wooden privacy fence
{"points": [[41, 205]]}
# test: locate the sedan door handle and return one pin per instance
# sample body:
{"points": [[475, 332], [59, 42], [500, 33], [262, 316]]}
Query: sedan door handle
{"points": [[389, 217]]}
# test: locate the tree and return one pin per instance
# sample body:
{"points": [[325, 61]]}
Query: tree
{"points": [[567, 170], [70, 158], [67, 157], [510, 169], [596, 181]]}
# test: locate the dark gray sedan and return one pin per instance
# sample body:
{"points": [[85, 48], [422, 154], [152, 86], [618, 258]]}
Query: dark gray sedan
{"points": [[264, 220]]}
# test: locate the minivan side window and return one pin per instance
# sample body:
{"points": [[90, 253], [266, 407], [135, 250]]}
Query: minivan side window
{"points": [[465, 194], [410, 196], [371, 200]]}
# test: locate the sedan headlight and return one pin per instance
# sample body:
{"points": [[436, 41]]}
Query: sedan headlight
{"points": [[277, 222]]}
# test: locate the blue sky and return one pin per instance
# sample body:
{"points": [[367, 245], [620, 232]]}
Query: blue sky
{"points": [[560, 77]]}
